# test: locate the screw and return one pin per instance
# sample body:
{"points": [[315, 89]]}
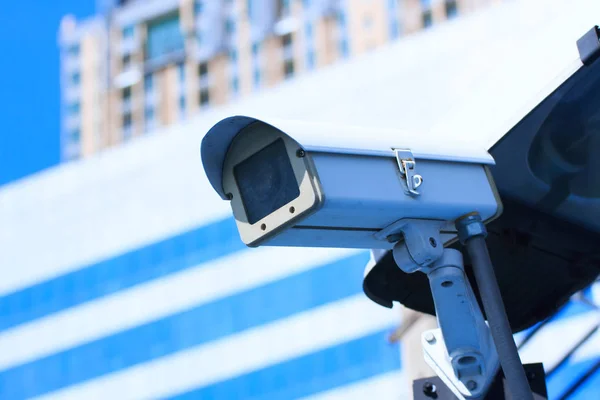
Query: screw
{"points": [[300, 153], [429, 337], [471, 385], [432, 242], [429, 389]]}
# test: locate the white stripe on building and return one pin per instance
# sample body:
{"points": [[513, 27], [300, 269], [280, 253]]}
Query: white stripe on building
{"points": [[238, 354]]}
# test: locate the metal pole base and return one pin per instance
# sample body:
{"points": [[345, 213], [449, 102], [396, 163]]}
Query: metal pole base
{"points": [[433, 387]]}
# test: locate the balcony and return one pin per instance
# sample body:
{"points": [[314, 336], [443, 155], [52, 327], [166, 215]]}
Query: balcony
{"points": [[129, 77], [132, 14], [156, 63], [286, 25]]}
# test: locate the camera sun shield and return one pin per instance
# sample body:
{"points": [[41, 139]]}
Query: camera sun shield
{"points": [[269, 181]]}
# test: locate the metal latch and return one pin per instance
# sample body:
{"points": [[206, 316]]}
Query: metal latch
{"points": [[408, 170]]}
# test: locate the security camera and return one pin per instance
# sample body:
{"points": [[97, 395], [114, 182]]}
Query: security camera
{"points": [[304, 184], [321, 185]]}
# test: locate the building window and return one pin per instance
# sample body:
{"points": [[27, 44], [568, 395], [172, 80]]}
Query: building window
{"points": [[451, 9], [203, 69], [229, 26], [341, 18], [148, 83], [344, 47], [127, 122], [181, 72], [427, 18], [233, 55], [149, 114], [149, 119], [182, 104], [309, 30], [128, 31], [76, 78], [235, 84], [73, 108], [394, 29], [287, 39], [368, 22], [284, 8], [255, 48], [127, 93], [164, 37], [75, 135], [204, 97], [73, 50], [288, 68], [198, 6], [126, 61], [256, 78], [310, 59]]}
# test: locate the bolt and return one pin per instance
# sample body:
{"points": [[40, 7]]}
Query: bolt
{"points": [[429, 337], [470, 226], [471, 385], [300, 153], [429, 389]]}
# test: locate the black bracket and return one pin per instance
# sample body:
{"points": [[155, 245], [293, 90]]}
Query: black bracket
{"points": [[589, 46], [433, 387]]}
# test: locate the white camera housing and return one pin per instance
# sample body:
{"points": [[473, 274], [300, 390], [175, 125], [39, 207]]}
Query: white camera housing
{"points": [[304, 184]]}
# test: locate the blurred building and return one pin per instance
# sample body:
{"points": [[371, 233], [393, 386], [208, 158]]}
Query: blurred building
{"points": [[140, 65]]}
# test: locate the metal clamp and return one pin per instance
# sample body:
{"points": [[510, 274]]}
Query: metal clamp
{"points": [[408, 170], [462, 351]]}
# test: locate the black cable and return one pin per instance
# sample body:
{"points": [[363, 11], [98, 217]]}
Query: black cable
{"points": [[497, 319]]}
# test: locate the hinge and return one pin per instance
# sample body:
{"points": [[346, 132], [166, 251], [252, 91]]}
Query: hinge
{"points": [[408, 170], [589, 46]]}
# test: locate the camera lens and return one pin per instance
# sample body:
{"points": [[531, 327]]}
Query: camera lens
{"points": [[266, 181]]}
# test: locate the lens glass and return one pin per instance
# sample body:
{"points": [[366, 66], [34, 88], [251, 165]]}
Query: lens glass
{"points": [[266, 181]]}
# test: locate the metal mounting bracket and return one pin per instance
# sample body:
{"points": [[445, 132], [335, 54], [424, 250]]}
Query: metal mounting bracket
{"points": [[462, 351]]}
